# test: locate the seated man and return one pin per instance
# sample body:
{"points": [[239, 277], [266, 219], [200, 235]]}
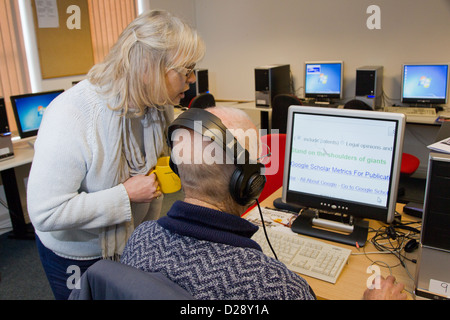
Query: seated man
{"points": [[203, 244]]}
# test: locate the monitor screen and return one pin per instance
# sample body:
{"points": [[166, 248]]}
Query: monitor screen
{"points": [[323, 79], [425, 83], [29, 110], [343, 160]]}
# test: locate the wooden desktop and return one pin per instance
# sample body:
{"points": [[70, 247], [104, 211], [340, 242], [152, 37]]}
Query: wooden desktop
{"points": [[352, 282]]}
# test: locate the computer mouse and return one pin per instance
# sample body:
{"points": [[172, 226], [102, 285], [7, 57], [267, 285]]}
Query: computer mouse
{"points": [[411, 245]]}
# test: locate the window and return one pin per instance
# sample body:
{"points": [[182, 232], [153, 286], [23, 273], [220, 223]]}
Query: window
{"points": [[108, 18], [14, 77]]}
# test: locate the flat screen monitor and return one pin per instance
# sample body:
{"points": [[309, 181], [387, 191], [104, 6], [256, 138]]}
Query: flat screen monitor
{"points": [[425, 83], [344, 163], [323, 80], [29, 110]]}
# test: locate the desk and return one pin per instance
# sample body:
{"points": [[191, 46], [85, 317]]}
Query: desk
{"points": [[264, 121], [351, 284], [23, 154]]}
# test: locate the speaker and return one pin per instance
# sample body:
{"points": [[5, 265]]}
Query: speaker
{"points": [[271, 81], [247, 181], [369, 85], [6, 146], [432, 277], [201, 85]]}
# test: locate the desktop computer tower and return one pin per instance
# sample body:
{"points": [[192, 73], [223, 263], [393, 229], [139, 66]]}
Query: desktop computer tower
{"points": [[369, 85], [201, 85], [432, 279], [6, 146], [270, 81]]}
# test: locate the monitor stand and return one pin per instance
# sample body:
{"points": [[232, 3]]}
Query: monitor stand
{"points": [[352, 232]]}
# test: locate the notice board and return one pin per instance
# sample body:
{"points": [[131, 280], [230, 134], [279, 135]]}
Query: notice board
{"points": [[63, 37]]}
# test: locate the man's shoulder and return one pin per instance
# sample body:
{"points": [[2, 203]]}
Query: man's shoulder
{"points": [[247, 267]]}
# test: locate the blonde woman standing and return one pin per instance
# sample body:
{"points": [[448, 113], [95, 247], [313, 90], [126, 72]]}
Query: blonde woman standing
{"points": [[88, 188]]}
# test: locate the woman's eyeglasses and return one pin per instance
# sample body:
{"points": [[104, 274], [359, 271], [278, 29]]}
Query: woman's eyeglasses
{"points": [[186, 71]]}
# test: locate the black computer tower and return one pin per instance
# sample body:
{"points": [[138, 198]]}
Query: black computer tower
{"points": [[369, 85], [6, 146], [270, 81], [432, 279], [200, 86], [4, 126]]}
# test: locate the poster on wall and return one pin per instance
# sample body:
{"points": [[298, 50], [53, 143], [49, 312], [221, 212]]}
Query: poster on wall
{"points": [[63, 36]]}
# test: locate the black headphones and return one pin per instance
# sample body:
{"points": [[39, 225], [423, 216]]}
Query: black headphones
{"points": [[247, 181]]}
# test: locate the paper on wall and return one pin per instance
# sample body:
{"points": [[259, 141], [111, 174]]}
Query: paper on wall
{"points": [[47, 13]]}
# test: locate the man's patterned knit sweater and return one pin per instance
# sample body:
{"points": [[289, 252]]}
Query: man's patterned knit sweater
{"points": [[210, 254]]}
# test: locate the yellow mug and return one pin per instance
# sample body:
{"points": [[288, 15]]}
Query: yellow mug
{"points": [[168, 181]]}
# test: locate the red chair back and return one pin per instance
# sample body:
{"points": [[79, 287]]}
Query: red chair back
{"points": [[409, 164], [276, 144]]}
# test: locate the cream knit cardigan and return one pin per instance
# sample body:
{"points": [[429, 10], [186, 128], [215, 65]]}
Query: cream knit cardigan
{"points": [[84, 152]]}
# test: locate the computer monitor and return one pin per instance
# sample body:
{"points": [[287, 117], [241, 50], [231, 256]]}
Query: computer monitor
{"points": [[424, 84], [324, 80], [29, 109], [344, 166]]}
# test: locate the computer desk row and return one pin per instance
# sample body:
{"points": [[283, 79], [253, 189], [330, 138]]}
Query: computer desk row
{"points": [[354, 278], [410, 117], [264, 113]]}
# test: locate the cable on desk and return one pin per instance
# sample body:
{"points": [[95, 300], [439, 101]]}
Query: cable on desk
{"points": [[265, 231], [377, 262], [389, 239]]}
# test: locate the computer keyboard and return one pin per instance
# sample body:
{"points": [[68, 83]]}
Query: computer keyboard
{"points": [[303, 255], [412, 111]]}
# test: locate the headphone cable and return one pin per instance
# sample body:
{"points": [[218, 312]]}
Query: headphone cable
{"points": [[265, 231]]}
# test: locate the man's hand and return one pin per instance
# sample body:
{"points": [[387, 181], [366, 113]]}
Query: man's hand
{"points": [[389, 290]]}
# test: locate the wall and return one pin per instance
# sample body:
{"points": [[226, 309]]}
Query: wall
{"points": [[241, 35], [184, 9]]}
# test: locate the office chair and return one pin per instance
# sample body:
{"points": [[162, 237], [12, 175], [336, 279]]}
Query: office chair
{"points": [[357, 104], [202, 101], [273, 181], [409, 164], [280, 106], [110, 280]]}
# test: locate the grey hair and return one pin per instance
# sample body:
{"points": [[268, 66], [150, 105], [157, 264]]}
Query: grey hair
{"points": [[132, 76]]}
